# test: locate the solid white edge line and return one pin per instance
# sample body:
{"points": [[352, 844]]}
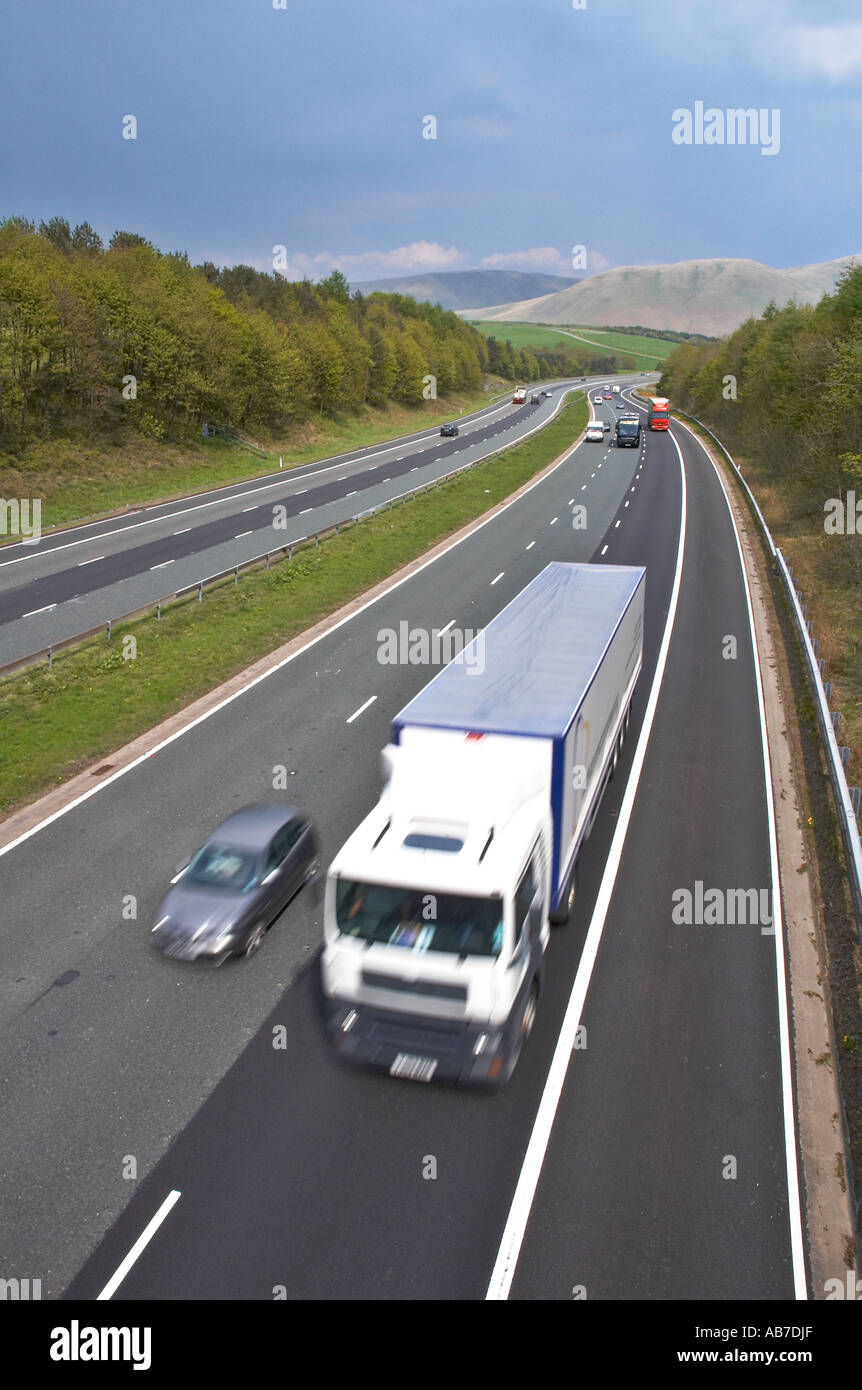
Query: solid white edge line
{"points": [[362, 709], [794, 1200], [143, 1240], [272, 670], [531, 1169]]}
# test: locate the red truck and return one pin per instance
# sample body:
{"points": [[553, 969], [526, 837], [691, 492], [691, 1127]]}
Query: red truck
{"points": [[520, 396]]}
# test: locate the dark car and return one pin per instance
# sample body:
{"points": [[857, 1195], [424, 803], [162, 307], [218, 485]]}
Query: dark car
{"points": [[223, 900], [449, 430], [536, 398]]}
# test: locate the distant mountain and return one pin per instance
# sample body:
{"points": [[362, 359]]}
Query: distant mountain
{"points": [[470, 289], [703, 296]]}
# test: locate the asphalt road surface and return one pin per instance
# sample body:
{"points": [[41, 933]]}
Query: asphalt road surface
{"points": [[128, 1077]]}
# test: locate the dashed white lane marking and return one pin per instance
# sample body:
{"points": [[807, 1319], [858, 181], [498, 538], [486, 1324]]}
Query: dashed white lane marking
{"points": [[361, 710], [143, 1240]]}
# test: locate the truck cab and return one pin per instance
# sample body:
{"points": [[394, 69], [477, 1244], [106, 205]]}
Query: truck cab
{"points": [[464, 901]]}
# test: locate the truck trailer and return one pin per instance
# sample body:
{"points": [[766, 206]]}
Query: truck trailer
{"points": [[658, 411], [519, 396], [438, 908]]}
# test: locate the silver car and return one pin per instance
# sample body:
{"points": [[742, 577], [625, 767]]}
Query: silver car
{"points": [[223, 900]]}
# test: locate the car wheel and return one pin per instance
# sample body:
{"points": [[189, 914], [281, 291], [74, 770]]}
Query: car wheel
{"points": [[254, 940]]}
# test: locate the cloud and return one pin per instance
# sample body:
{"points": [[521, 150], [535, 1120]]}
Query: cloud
{"points": [[547, 260], [776, 36], [538, 258], [818, 50], [414, 259]]}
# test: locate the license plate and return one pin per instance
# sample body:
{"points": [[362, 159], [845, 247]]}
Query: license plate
{"points": [[413, 1068]]}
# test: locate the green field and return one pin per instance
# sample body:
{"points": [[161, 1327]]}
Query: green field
{"points": [[655, 348], [538, 335]]}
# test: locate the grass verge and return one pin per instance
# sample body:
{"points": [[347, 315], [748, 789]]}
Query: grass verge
{"points": [[55, 722]]}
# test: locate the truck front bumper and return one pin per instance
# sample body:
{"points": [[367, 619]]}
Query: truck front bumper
{"points": [[419, 1048]]}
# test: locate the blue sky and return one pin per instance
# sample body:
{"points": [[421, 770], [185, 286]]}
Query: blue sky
{"points": [[302, 127]]}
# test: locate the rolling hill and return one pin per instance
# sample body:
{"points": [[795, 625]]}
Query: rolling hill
{"points": [[470, 289], [701, 296]]}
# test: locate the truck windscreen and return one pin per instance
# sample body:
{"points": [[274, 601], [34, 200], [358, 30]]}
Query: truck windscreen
{"points": [[628, 427], [419, 920]]}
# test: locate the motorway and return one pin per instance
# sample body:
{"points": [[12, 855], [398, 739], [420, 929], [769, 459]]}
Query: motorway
{"points": [[128, 1078], [81, 576]]}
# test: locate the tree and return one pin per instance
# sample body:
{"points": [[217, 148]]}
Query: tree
{"points": [[84, 239], [125, 241], [335, 286], [58, 232]]}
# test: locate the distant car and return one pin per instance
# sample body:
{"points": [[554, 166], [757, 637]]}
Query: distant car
{"points": [[536, 398], [224, 899], [595, 432], [597, 399], [606, 424], [449, 430], [547, 393], [607, 395]]}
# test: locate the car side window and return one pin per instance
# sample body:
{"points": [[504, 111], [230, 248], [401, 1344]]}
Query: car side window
{"points": [[292, 832], [277, 849]]}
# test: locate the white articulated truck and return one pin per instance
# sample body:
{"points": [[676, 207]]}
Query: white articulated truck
{"points": [[438, 907]]}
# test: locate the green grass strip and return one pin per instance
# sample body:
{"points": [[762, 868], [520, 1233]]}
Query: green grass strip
{"points": [[55, 722]]}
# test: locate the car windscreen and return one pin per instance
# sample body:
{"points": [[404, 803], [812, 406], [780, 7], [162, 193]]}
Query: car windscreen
{"points": [[419, 919], [222, 866]]}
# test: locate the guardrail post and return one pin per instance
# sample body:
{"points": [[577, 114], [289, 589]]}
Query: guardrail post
{"points": [[201, 592], [50, 658], [821, 665], [236, 574], [827, 689], [845, 755], [109, 629], [316, 541], [290, 553], [854, 797], [835, 716], [267, 559]]}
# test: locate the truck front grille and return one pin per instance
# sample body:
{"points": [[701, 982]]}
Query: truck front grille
{"points": [[427, 988]]}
